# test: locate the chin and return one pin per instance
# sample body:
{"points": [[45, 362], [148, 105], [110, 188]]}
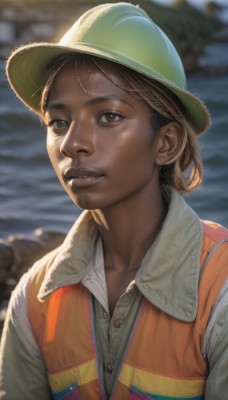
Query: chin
{"points": [[85, 204]]}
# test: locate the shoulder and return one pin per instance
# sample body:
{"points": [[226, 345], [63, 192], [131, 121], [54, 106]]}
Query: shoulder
{"points": [[39, 270], [213, 275], [17, 308], [214, 243], [214, 282], [213, 233], [214, 250], [213, 285]]}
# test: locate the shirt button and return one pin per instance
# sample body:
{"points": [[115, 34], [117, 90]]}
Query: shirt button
{"points": [[109, 368], [105, 315], [117, 324]]}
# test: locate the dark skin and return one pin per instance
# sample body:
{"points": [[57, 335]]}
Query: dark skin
{"points": [[125, 248], [107, 156]]}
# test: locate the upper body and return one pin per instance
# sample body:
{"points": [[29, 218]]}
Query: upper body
{"points": [[120, 125], [80, 259]]}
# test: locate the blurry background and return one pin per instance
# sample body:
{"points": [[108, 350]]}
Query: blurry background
{"points": [[30, 194]]}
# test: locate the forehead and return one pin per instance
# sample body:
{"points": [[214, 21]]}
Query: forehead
{"points": [[87, 76], [86, 86], [85, 70], [95, 64]]}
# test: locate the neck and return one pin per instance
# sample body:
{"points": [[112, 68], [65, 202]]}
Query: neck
{"points": [[128, 230]]}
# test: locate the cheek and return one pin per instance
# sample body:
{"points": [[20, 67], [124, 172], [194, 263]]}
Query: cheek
{"points": [[52, 146], [141, 154], [140, 145]]}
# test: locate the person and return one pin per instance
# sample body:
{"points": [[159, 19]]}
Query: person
{"points": [[133, 304]]}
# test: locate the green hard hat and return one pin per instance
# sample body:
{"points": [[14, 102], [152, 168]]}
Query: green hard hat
{"points": [[119, 32]]}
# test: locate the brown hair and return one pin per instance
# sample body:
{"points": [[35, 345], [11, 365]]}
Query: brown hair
{"points": [[184, 171]]}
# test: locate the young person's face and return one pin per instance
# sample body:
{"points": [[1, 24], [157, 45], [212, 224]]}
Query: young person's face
{"points": [[100, 139]]}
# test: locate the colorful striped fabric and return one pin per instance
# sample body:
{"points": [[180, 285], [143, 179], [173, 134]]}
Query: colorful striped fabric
{"points": [[69, 393], [138, 395]]}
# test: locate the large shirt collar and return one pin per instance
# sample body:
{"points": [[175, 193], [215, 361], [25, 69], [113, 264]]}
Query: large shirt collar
{"points": [[74, 257], [169, 273]]}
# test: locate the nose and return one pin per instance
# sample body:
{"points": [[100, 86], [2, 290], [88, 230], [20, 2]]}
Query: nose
{"points": [[78, 140]]}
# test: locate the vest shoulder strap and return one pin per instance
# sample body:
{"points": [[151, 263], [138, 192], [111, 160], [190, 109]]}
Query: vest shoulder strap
{"points": [[210, 254], [219, 235]]}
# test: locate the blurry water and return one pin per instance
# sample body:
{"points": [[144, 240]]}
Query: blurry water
{"points": [[31, 195], [211, 201]]}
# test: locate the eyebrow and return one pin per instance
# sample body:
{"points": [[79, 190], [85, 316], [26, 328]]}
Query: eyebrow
{"points": [[103, 99], [91, 102], [55, 106]]}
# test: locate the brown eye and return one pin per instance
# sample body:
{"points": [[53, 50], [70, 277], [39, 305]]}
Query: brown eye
{"points": [[58, 125], [110, 118]]}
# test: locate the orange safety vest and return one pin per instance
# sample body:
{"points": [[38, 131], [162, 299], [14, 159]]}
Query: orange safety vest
{"points": [[163, 358]]}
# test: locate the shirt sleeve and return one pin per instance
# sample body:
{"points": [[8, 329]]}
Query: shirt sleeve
{"points": [[22, 370], [217, 354]]}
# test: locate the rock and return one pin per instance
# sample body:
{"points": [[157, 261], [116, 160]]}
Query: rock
{"points": [[6, 261], [28, 249], [17, 254]]}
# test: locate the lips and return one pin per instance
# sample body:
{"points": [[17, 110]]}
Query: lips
{"points": [[80, 176]]}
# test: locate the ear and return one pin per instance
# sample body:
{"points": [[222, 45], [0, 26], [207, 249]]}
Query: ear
{"points": [[169, 142]]}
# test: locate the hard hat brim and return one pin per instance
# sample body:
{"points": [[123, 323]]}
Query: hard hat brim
{"points": [[28, 65], [118, 32]]}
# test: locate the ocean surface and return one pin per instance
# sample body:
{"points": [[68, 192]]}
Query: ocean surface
{"points": [[30, 193]]}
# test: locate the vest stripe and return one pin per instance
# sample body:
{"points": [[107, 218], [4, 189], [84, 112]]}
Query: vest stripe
{"points": [[83, 374], [138, 395], [65, 393], [152, 383]]}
